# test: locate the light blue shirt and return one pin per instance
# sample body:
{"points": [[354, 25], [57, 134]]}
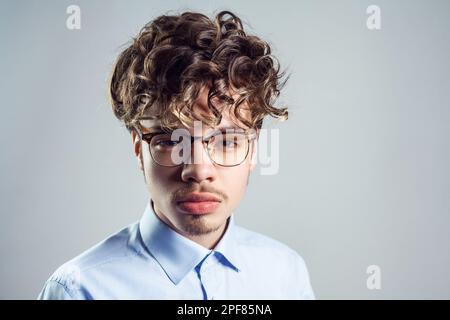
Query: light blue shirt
{"points": [[149, 260]]}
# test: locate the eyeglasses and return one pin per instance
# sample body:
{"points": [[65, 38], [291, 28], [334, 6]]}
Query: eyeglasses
{"points": [[225, 147]]}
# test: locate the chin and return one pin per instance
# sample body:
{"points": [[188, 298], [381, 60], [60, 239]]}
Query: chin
{"points": [[202, 224]]}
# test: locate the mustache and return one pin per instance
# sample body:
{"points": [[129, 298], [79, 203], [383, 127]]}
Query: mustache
{"points": [[180, 193]]}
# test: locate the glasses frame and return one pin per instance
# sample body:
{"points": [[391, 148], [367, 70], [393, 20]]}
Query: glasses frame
{"points": [[147, 137]]}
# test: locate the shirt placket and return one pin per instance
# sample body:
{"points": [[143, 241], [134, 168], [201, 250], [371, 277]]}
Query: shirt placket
{"points": [[208, 276]]}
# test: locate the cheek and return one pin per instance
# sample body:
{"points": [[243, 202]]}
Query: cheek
{"points": [[158, 178], [234, 181]]}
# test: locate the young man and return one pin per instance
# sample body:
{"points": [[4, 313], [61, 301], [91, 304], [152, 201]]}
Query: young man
{"points": [[193, 93]]}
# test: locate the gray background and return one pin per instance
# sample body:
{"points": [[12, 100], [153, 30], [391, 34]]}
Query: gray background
{"points": [[363, 178]]}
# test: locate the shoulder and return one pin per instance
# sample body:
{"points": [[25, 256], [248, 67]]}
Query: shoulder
{"points": [[260, 250], [255, 241], [119, 245], [65, 281]]}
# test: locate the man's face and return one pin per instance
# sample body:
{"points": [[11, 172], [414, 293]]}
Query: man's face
{"points": [[169, 185]]}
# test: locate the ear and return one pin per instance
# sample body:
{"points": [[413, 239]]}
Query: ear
{"points": [[137, 150]]}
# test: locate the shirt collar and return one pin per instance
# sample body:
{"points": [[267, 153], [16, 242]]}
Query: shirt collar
{"points": [[177, 254]]}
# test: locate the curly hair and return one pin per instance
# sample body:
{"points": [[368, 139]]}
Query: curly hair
{"points": [[174, 56]]}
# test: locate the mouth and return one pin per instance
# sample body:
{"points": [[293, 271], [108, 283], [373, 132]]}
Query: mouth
{"points": [[199, 203]]}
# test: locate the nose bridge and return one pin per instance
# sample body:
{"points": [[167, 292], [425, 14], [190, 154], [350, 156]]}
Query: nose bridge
{"points": [[199, 166], [199, 154]]}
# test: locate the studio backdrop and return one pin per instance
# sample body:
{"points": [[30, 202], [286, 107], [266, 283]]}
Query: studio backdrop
{"points": [[360, 185]]}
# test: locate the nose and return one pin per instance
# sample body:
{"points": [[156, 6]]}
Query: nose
{"points": [[199, 167]]}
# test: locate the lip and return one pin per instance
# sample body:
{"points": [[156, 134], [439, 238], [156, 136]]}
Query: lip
{"points": [[199, 203], [199, 197]]}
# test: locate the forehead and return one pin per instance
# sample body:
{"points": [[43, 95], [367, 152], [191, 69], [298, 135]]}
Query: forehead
{"points": [[151, 121]]}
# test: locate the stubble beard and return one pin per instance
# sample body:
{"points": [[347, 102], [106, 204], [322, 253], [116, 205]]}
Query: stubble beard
{"points": [[198, 225]]}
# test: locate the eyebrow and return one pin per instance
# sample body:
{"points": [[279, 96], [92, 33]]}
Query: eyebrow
{"points": [[230, 127], [154, 129], [159, 128]]}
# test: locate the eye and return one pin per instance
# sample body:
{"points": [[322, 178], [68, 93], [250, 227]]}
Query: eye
{"points": [[166, 143], [230, 143]]}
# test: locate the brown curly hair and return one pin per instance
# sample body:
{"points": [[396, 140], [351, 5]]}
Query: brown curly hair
{"points": [[174, 56]]}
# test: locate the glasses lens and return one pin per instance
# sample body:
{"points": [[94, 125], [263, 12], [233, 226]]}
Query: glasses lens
{"points": [[166, 150], [228, 149], [225, 149]]}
